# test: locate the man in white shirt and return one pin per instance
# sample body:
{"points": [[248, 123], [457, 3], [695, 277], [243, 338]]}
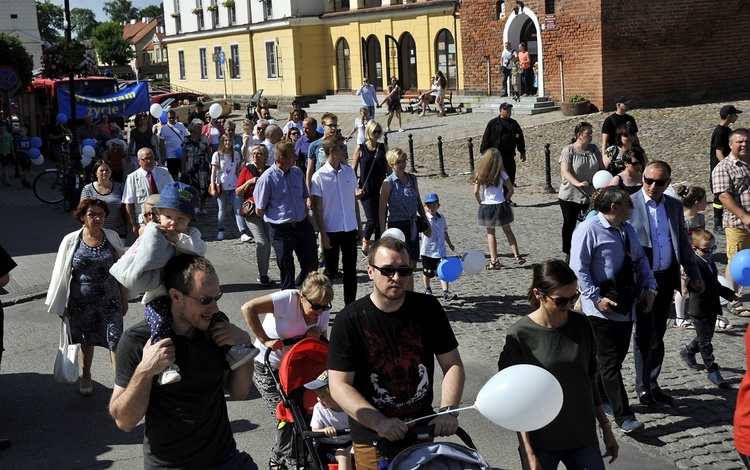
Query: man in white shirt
{"points": [[507, 66], [147, 180], [335, 208], [273, 136], [171, 136]]}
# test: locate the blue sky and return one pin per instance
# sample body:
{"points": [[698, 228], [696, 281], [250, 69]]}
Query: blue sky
{"points": [[97, 5]]}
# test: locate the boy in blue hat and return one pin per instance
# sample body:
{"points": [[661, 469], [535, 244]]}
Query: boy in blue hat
{"points": [[433, 247], [140, 268]]}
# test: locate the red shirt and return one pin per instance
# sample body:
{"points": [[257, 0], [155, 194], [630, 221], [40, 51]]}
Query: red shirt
{"points": [[742, 411]]}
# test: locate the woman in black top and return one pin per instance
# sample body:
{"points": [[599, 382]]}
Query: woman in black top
{"points": [[372, 172], [141, 135]]}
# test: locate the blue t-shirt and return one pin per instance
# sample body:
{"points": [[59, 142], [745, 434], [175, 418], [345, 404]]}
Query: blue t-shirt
{"points": [[23, 144]]}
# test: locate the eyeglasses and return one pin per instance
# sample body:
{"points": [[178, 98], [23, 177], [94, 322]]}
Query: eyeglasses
{"points": [[630, 203], [650, 181], [96, 215], [205, 300], [377, 131], [403, 271], [318, 306], [709, 249], [563, 301]]}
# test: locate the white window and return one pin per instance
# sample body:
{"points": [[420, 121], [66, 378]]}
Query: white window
{"points": [[267, 9], [214, 8], [232, 15], [218, 66], [272, 68], [203, 63], [181, 61], [234, 61]]}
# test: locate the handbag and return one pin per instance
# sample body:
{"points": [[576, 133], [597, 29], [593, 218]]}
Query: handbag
{"points": [[216, 192], [248, 208], [422, 224], [622, 289], [67, 366]]}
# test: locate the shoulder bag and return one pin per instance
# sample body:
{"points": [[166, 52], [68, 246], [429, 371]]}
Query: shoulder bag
{"points": [[67, 368]]}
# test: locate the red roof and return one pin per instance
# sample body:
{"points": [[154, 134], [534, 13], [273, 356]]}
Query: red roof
{"points": [[138, 30]]}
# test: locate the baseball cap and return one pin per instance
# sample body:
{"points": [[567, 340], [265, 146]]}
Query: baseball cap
{"points": [[199, 104], [320, 382], [623, 100], [506, 106], [431, 197], [727, 110]]}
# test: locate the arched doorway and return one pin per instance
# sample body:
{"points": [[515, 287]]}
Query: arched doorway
{"points": [[392, 61], [408, 58], [343, 66], [372, 64], [524, 26], [445, 57]]}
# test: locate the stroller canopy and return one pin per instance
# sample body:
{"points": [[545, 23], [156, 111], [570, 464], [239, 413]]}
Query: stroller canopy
{"points": [[439, 456]]}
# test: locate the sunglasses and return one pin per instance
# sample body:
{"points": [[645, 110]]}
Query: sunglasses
{"points": [[205, 300], [403, 271], [650, 181], [563, 301], [150, 214], [318, 306], [710, 249], [377, 131], [635, 163], [96, 215], [630, 203]]}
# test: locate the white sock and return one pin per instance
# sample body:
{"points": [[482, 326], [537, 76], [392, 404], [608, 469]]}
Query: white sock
{"points": [[679, 305]]}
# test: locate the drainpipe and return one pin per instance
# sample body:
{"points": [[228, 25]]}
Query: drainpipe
{"points": [[562, 78], [489, 83]]}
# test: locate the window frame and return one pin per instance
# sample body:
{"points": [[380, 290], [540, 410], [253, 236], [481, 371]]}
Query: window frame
{"points": [[272, 61]]}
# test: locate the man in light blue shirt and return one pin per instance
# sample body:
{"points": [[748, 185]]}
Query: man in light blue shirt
{"points": [[280, 197], [369, 96], [600, 249]]}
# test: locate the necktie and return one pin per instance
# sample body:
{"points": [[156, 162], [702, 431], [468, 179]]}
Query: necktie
{"points": [[151, 184]]}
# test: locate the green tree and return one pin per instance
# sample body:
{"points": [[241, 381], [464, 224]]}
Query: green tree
{"points": [[112, 48], [153, 11], [121, 11], [17, 56], [83, 21], [50, 21]]}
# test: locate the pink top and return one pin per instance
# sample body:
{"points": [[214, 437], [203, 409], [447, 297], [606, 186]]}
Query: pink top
{"points": [[525, 59]]}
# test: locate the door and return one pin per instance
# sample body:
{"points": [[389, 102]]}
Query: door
{"points": [[343, 66]]}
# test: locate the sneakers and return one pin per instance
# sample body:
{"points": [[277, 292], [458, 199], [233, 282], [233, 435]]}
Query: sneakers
{"points": [[715, 378], [448, 296], [265, 281], [220, 235], [170, 375], [428, 291], [387, 129], [631, 424], [689, 359], [608, 410], [421, 114], [245, 238], [240, 354], [683, 323]]}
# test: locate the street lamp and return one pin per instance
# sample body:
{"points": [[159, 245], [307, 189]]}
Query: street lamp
{"points": [[75, 153]]}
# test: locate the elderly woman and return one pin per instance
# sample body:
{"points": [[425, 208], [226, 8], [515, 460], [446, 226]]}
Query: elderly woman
{"points": [[579, 161], [625, 140], [225, 167], [561, 341], [401, 202], [631, 178], [373, 168], [82, 290], [196, 163], [258, 227], [289, 313], [111, 193]]}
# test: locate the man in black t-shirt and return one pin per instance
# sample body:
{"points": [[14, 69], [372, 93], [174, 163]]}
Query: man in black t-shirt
{"points": [[506, 135], [199, 113], [719, 150], [187, 425], [618, 118], [381, 358]]}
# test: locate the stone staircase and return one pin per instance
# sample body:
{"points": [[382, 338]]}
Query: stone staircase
{"points": [[340, 104]]}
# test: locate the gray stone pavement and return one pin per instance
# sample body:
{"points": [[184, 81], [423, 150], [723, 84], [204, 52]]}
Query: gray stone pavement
{"points": [[697, 433]]}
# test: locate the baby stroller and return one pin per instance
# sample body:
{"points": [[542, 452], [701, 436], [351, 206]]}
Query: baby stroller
{"points": [[434, 455], [303, 363]]}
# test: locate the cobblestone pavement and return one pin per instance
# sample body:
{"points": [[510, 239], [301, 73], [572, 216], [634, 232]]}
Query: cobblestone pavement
{"points": [[697, 433]]}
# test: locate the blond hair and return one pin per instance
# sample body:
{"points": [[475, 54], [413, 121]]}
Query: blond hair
{"points": [[490, 168], [317, 287], [394, 154]]}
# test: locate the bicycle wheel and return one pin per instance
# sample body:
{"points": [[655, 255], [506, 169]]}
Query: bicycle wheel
{"points": [[48, 187]]}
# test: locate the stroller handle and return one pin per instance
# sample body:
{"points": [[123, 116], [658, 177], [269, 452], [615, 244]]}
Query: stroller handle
{"points": [[287, 342], [427, 431], [318, 434]]}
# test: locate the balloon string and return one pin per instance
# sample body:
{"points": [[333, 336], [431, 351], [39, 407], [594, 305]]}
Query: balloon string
{"points": [[456, 410]]}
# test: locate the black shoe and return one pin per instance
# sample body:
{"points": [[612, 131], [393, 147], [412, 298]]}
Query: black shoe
{"points": [[689, 359], [715, 378], [646, 398], [661, 396]]}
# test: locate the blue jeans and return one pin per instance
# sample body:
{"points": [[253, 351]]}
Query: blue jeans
{"points": [[288, 239], [236, 204], [582, 458]]}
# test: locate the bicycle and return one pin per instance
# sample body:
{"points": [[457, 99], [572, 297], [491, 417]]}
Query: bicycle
{"points": [[62, 184]]}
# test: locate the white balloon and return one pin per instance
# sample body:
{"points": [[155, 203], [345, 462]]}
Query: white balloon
{"points": [[273, 121], [85, 160], [215, 110], [521, 398], [602, 179], [156, 110], [395, 233], [38, 161], [473, 262], [88, 151], [726, 283]]}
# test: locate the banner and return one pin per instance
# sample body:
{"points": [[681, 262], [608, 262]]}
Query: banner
{"points": [[127, 102]]}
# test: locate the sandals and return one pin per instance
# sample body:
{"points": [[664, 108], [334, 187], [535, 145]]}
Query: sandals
{"points": [[738, 309], [722, 324], [274, 465], [494, 265], [683, 323], [520, 261]]}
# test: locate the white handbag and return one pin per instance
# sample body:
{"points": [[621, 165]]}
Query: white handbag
{"points": [[67, 366]]}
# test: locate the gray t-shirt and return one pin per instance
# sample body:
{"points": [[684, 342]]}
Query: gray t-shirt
{"points": [[583, 165]]}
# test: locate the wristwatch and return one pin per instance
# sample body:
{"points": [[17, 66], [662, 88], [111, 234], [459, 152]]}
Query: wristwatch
{"points": [[449, 408]]}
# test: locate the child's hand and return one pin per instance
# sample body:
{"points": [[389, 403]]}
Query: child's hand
{"points": [[330, 431], [169, 234], [450, 245]]}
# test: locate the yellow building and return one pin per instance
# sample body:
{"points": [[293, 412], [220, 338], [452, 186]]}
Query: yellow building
{"points": [[298, 48]]}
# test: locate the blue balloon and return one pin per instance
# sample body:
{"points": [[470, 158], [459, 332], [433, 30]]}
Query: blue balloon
{"points": [[62, 118], [739, 268], [163, 117], [89, 143], [449, 269], [178, 152], [34, 153], [36, 142]]}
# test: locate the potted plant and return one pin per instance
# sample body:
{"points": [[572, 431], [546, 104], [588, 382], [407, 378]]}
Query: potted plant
{"points": [[175, 14], [197, 11], [576, 105], [213, 7], [228, 3]]}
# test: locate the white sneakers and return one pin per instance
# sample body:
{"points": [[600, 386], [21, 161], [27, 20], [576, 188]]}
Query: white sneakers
{"points": [[220, 235], [245, 238], [170, 375]]}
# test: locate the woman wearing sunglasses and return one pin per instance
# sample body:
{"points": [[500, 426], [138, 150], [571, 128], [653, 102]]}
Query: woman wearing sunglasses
{"points": [[369, 158], [631, 178], [561, 341], [289, 314]]}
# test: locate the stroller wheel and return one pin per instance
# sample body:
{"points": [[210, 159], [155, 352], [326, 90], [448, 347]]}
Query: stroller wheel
{"points": [[274, 465]]}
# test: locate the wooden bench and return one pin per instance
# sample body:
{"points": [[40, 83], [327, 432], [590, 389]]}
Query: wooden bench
{"points": [[410, 102]]}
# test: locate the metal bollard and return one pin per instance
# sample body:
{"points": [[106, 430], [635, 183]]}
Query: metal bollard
{"points": [[411, 155], [441, 166], [548, 169], [471, 155]]}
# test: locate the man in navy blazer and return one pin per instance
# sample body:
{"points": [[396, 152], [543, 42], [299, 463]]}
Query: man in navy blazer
{"points": [[658, 221]]}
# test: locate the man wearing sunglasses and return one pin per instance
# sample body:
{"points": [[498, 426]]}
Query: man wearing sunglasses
{"points": [[602, 248], [658, 221], [382, 358], [199, 436]]}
